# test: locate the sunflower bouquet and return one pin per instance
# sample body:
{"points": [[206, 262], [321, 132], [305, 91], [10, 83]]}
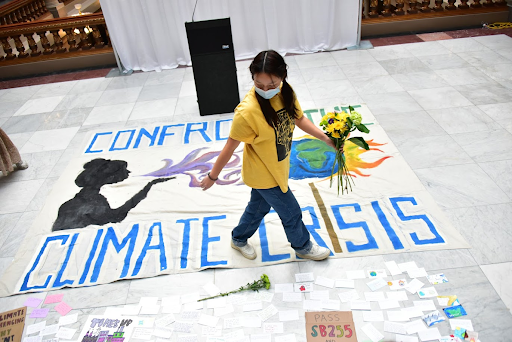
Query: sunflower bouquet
{"points": [[338, 126]]}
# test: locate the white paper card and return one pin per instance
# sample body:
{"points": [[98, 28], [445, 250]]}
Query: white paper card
{"points": [[190, 315], [261, 338], [443, 301], [414, 286], [374, 296], [417, 273], [273, 328], [292, 297], [319, 295], [356, 274], [397, 284], [393, 268], [431, 334], [373, 316], [312, 305], [193, 306], [211, 289], [424, 305], [376, 273], [212, 331], [111, 311], [251, 322], [216, 303], [397, 316], [462, 323], [268, 312], [253, 306], [37, 338], [65, 333], [372, 332], [281, 288], [162, 332], [406, 266], [389, 304], [348, 296], [403, 338], [37, 327], [68, 319], [169, 309], [397, 295], [185, 327], [131, 310], [224, 311], [393, 327], [232, 322], [285, 338], [208, 320], [50, 330], [190, 298], [360, 305], [264, 296], [345, 283], [415, 326], [331, 304], [149, 310], [288, 315], [427, 292], [303, 287], [142, 334], [302, 277], [148, 301], [164, 321], [376, 284], [171, 301], [413, 311], [325, 282]]}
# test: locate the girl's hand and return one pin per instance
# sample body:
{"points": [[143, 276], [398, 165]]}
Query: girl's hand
{"points": [[331, 144], [206, 183]]}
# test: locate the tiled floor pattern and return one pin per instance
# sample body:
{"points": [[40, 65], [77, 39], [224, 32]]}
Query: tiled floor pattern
{"points": [[446, 105]]}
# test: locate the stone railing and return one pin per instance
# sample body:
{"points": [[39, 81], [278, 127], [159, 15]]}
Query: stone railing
{"points": [[20, 11], [398, 8], [58, 37]]}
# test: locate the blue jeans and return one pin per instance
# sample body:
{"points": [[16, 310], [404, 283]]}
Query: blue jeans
{"points": [[289, 211]]}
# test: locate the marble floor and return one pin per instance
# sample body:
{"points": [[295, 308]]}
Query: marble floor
{"points": [[446, 104]]}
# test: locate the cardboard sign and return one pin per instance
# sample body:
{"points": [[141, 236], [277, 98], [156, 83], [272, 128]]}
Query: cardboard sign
{"points": [[12, 324], [330, 326]]}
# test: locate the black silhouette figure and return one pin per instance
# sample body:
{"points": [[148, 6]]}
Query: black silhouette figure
{"points": [[89, 206]]}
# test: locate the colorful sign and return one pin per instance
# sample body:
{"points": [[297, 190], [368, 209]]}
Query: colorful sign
{"points": [[332, 326], [12, 324]]}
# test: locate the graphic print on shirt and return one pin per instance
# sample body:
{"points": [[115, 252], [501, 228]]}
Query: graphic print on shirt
{"points": [[284, 134]]}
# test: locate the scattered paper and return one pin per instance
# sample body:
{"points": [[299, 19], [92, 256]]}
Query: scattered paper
{"points": [[292, 297], [393, 268], [454, 311], [373, 316], [250, 322], [312, 305], [372, 332], [261, 338], [190, 315], [187, 338], [268, 312], [360, 305], [285, 338], [142, 334], [65, 333], [253, 306], [427, 292], [397, 316], [56, 298], [448, 300], [417, 273], [319, 295], [216, 303], [374, 296], [165, 321], [212, 331], [345, 283], [397, 284], [37, 338], [397, 328], [162, 332], [412, 311], [397, 295], [63, 308], [273, 328], [406, 266], [348, 296], [436, 279], [380, 273], [232, 322], [302, 277], [414, 286], [431, 334], [171, 301], [149, 310], [281, 288], [37, 327], [189, 298], [224, 311], [415, 326], [185, 327], [376, 284], [168, 309], [69, 319], [208, 320], [113, 311], [356, 274], [288, 315], [325, 282], [50, 330], [403, 338], [32, 302], [193, 306], [39, 313], [442, 301], [463, 323], [264, 296], [432, 318], [303, 287], [389, 304], [211, 289], [424, 305], [331, 304], [131, 310]]}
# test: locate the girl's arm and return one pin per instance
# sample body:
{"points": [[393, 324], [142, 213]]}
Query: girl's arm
{"points": [[307, 126], [222, 159]]}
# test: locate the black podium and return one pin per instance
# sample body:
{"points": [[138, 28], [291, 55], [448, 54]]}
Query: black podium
{"points": [[213, 62]]}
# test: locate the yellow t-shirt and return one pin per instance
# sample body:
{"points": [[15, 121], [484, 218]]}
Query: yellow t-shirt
{"points": [[266, 158]]}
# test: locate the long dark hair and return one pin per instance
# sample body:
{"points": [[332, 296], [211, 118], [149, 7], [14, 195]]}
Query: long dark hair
{"points": [[272, 63]]}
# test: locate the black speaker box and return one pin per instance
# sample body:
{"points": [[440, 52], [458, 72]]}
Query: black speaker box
{"points": [[213, 63]]}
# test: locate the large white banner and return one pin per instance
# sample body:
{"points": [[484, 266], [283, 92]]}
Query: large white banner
{"points": [[131, 219]]}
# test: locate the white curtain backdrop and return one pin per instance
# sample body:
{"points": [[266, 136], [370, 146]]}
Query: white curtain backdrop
{"points": [[150, 34]]}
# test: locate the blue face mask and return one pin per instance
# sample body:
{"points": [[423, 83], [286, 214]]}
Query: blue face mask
{"points": [[267, 94]]}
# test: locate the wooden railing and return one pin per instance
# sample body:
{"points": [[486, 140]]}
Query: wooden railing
{"points": [[58, 37], [398, 8], [20, 11]]}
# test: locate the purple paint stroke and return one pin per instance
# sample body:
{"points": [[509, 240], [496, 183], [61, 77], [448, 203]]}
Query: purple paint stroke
{"points": [[192, 164]]}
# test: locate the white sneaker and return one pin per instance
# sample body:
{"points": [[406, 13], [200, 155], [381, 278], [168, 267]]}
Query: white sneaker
{"points": [[247, 250], [316, 253]]}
